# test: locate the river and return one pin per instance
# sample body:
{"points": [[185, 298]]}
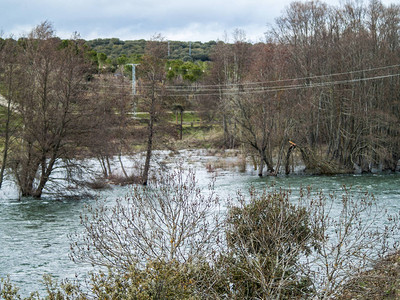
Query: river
{"points": [[34, 233]]}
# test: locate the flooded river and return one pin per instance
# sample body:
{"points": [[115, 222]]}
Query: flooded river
{"points": [[34, 233]]}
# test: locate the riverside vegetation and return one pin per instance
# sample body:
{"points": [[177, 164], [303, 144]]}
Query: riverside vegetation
{"points": [[324, 88], [175, 241]]}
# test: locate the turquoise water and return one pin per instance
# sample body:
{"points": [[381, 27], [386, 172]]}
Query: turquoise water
{"points": [[34, 233]]}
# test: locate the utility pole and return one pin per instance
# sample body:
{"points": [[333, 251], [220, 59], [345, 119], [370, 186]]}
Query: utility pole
{"points": [[133, 78], [134, 88]]}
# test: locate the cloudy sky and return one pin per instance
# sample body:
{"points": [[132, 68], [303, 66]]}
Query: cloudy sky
{"points": [[185, 20]]}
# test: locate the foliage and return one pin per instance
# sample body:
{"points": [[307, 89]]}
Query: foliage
{"points": [[158, 280], [7, 290], [66, 291], [115, 48], [188, 71], [266, 235]]}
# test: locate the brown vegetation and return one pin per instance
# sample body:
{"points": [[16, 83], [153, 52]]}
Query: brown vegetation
{"points": [[381, 282]]}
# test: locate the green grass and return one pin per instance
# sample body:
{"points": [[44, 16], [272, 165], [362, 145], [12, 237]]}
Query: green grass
{"points": [[190, 119]]}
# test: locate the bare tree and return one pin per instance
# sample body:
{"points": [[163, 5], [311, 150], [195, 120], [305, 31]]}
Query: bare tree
{"points": [[352, 238], [9, 70], [51, 105], [152, 77], [343, 57], [173, 220], [282, 248], [227, 74], [109, 118]]}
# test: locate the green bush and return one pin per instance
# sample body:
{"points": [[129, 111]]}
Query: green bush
{"points": [[265, 237]]}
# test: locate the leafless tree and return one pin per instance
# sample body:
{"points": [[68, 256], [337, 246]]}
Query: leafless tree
{"points": [[9, 70], [344, 58], [51, 104], [282, 248], [173, 220], [353, 237], [110, 118], [152, 77]]}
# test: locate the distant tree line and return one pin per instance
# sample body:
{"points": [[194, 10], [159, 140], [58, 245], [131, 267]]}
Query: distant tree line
{"points": [[114, 48]]}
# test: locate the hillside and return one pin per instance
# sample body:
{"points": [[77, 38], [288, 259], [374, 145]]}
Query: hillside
{"points": [[115, 48]]}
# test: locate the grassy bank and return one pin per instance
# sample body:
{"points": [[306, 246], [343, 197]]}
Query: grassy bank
{"points": [[381, 282]]}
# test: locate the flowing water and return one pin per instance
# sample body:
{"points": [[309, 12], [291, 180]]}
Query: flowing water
{"points": [[34, 233]]}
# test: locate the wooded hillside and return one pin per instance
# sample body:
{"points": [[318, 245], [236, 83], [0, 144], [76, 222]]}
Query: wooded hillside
{"points": [[115, 48]]}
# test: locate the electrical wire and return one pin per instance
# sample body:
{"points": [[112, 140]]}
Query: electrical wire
{"points": [[244, 84], [256, 90]]}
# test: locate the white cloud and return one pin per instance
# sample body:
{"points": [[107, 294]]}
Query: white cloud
{"points": [[134, 19]]}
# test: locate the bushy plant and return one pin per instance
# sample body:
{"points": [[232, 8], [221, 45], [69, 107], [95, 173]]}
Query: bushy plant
{"points": [[265, 236]]}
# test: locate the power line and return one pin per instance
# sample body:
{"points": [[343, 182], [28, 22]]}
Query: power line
{"points": [[269, 89], [294, 87], [244, 84]]}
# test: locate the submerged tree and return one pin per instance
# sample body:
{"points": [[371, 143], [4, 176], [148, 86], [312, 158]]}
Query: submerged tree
{"points": [[152, 94], [51, 103], [9, 52], [111, 120], [345, 63]]}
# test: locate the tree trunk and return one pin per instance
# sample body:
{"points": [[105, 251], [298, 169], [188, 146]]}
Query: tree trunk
{"points": [[261, 166], [108, 165], [7, 126], [287, 163], [122, 165], [181, 125], [103, 166], [268, 162], [47, 169], [6, 142], [150, 133]]}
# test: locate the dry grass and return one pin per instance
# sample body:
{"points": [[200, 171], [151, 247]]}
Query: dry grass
{"points": [[236, 163], [97, 184], [200, 138], [382, 282], [122, 180]]}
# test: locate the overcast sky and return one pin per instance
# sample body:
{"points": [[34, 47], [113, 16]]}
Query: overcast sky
{"points": [[184, 20]]}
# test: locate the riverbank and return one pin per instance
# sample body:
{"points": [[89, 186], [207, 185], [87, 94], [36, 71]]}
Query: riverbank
{"points": [[34, 234], [381, 282]]}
